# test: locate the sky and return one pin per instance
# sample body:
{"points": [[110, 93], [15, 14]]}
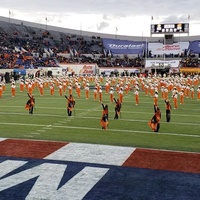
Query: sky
{"points": [[122, 17]]}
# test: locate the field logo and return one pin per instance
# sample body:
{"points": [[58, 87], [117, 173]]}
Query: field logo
{"points": [[48, 179]]}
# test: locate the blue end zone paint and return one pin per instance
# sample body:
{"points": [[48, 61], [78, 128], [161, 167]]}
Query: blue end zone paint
{"points": [[132, 183], [119, 183]]}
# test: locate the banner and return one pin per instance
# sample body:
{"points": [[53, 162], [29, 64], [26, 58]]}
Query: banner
{"points": [[108, 70], [80, 69], [194, 47], [124, 47], [171, 63], [175, 48], [191, 70]]}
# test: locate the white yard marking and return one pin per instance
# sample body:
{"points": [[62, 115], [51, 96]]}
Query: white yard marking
{"points": [[30, 136], [35, 133], [40, 130], [92, 153], [114, 130], [2, 139]]}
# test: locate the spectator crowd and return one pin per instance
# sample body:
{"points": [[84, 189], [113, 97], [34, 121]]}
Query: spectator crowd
{"points": [[24, 47]]}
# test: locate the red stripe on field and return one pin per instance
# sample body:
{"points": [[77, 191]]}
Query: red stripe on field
{"points": [[28, 148], [164, 160]]}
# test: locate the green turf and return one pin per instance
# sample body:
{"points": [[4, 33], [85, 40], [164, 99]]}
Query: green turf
{"points": [[50, 121]]}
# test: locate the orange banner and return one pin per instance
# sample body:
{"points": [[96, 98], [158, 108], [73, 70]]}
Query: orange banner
{"points": [[196, 70]]}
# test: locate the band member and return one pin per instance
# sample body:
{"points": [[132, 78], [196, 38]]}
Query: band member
{"points": [[198, 93], [117, 108], [181, 95], [1, 90], [95, 93], [78, 89], [87, 89], [52, 90], [120, 93], [30, 103], [192, 92], [154, 123], [13, 89], [136, 97], [70, 104], [60, 89], [155, 98], [175, 100], [168, 110], [111, 95], [104, 117], [100, 94], [21, 85]]}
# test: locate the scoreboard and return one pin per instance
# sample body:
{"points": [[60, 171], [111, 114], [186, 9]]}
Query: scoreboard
{"points": [[169, 28]]}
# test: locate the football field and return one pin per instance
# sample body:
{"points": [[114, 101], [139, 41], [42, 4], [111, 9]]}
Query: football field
{"points": [[49, 155], [51, 122]]}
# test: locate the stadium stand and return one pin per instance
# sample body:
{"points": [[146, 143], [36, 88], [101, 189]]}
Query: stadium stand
{"points": [[25, 45]]}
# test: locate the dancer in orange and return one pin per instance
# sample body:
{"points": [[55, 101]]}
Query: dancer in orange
{"points": [[30, 103], [117, 108], [154, 123], [70, 104], [104, 117], [168, 110]]}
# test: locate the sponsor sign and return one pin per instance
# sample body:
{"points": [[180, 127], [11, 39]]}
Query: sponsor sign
{"points": [[160, 48], [124, 46], [80, 69], [108, 71], [194, 47], [171, 63]]}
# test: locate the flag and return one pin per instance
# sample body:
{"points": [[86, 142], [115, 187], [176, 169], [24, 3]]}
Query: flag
{"points": [[46, 18], [9, 12], [188, 17], [116, 29], [151, 17]]}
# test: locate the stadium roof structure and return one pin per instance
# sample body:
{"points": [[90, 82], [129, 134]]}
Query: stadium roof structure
{"points": [[96, 34]]}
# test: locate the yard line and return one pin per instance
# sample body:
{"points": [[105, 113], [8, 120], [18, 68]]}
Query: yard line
{"points": [[95, 118], [109, 130], [85, 110]]}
